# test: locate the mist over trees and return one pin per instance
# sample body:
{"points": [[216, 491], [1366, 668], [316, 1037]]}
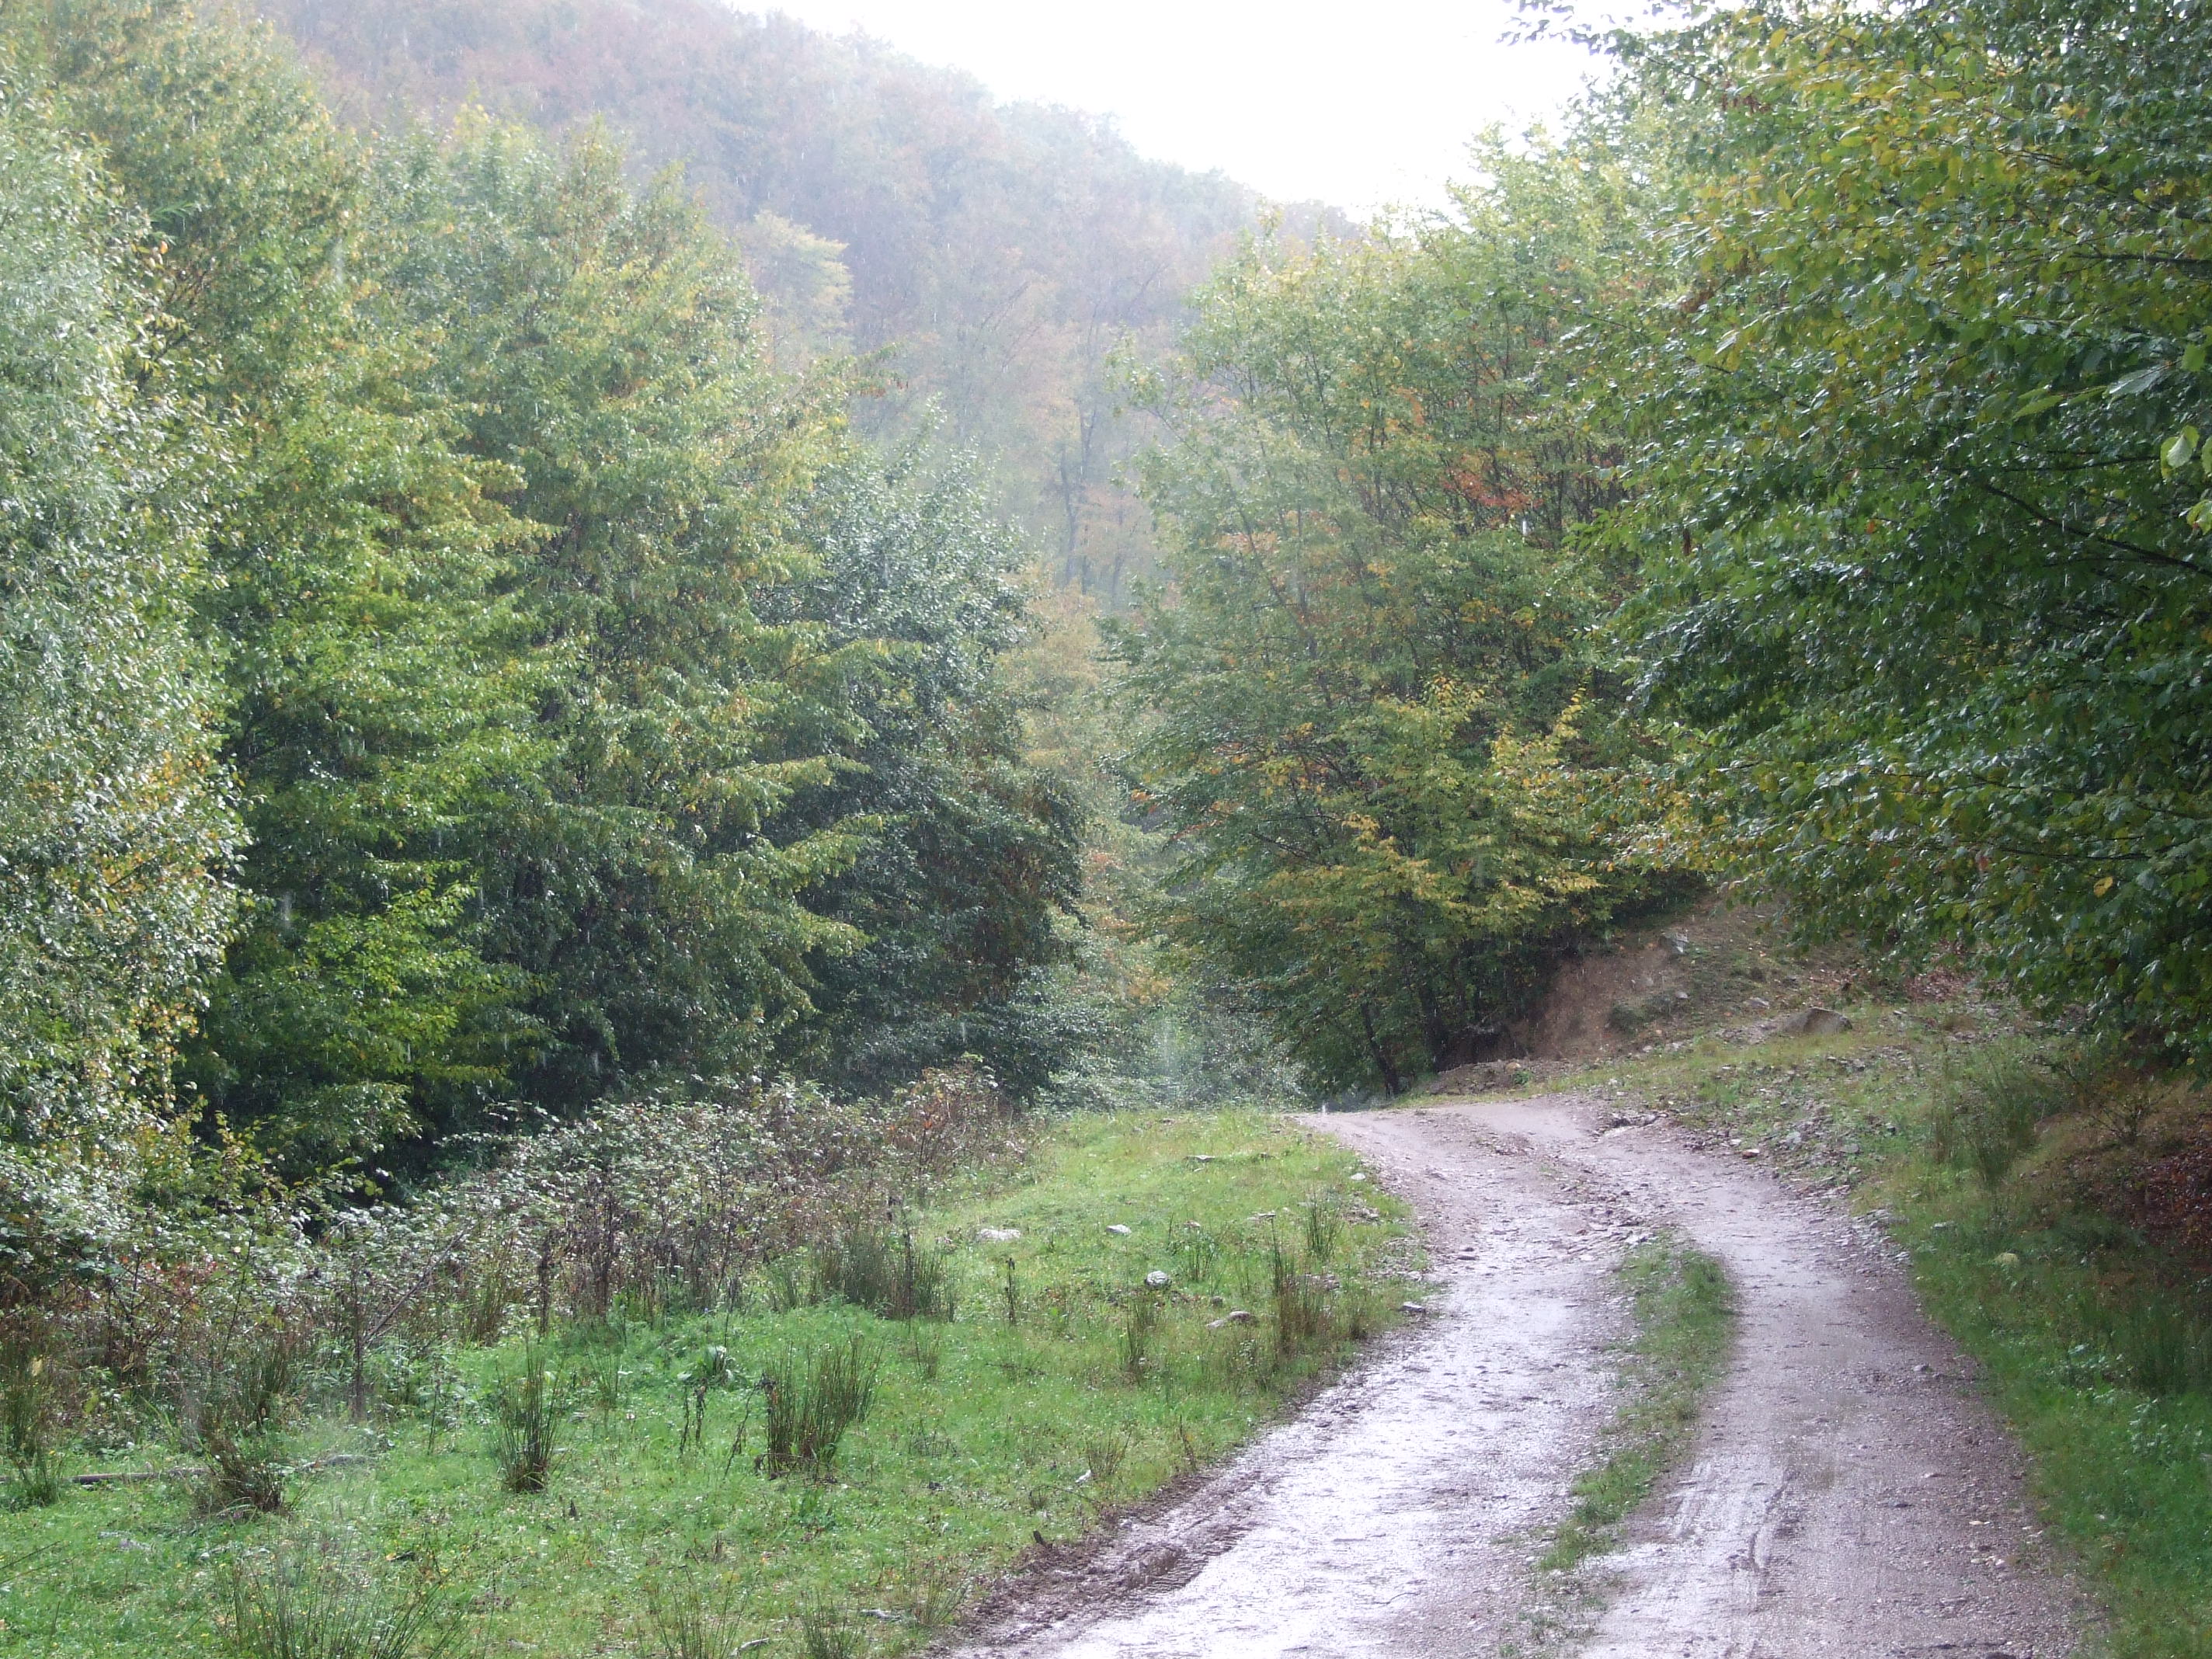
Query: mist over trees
{"points": [[1002, 254]]}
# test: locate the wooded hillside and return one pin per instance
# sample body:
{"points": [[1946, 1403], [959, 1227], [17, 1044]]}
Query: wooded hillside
{"points": [[1002, 254]]}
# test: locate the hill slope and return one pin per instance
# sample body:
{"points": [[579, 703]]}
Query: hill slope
{"points": [[1002, 250]]}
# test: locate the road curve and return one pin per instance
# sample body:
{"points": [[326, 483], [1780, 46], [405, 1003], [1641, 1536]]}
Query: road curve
{"points": [[1850, 1495]]}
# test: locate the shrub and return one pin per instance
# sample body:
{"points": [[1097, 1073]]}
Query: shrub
{"points": [[811, 1401], [525, 1418]]}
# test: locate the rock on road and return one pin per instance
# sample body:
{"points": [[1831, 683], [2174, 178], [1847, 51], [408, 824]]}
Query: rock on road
{"points": [[1849, 1496]]}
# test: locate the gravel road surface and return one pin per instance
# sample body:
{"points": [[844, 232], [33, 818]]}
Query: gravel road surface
{"points": [[1849, 1496]]}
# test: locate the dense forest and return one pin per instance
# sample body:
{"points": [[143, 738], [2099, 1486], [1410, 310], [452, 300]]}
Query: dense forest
{"points": [[1791, 476], [999, 256], [551, 747]]}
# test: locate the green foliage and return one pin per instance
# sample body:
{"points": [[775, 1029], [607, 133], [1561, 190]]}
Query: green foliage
{"points": [[972, 868], [997, 254], [112, 816], [939, 1489], [570, 655], [1373, 720], [1918, 476]]}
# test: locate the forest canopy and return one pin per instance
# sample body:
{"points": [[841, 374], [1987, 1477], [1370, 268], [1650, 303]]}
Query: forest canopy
{"points": [[454, 670]]}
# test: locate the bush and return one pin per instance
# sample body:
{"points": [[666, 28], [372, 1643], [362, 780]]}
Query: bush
{"points": [[811, 1401]]}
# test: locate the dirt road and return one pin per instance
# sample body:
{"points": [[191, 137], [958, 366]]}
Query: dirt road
{"points": [[1850, 1496]]}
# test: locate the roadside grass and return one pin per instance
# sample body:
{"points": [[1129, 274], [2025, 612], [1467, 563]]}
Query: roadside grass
{"points": [[1945, 1124], [2098, 1352], [1682, 1321], [1063, 1388]]}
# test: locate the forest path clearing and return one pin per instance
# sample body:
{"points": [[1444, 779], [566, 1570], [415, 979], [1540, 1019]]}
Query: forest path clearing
{"points": [[1850, 1495]]}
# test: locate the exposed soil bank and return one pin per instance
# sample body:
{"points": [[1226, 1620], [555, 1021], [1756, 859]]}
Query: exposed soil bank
{"points": [[1850, 1494]]}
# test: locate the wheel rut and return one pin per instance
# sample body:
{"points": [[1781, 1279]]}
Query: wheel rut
{"points": [[1850, 1494]]}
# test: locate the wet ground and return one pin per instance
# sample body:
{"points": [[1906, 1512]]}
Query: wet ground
{"points": [[1850, 1495]]}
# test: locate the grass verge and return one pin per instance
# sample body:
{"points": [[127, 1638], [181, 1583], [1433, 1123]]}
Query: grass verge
{"points": [[1683, 1319], [1069, 1383]]}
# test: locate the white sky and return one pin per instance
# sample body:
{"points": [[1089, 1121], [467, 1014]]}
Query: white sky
{"points": [[1357, 104]]}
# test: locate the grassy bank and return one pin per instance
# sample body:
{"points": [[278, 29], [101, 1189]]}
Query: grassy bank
{"points": [[2047, 1208], [696, 1494]]}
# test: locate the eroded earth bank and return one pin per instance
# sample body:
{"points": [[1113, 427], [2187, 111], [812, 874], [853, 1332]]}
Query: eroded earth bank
{"points": [[1849, 1496]]}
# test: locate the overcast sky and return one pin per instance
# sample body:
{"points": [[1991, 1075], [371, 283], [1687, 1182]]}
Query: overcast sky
{"points": [[1359, 102]]}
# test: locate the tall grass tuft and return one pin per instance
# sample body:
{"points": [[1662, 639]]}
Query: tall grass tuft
{"points": [[830, 1632], [1324, 1229], [525, 1418], [934, 1593], [301, 1604], [1989, 1105], [885, 1272], [1140, 1323], [240, 1425], [1301, 1310], [27, 1413], [813, 1399], [689, 1623]]}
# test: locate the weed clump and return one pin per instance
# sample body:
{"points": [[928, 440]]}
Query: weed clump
{"points": [[295, 1603], [27, 1413], [1301, 1310], [811, 1401], [1324, 1229], [526, 1419], [1989, 1105], [885, 1272], [690, 1623], [934, 1593], [239, 1427], [1140, 1323], [826, 1632]]}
